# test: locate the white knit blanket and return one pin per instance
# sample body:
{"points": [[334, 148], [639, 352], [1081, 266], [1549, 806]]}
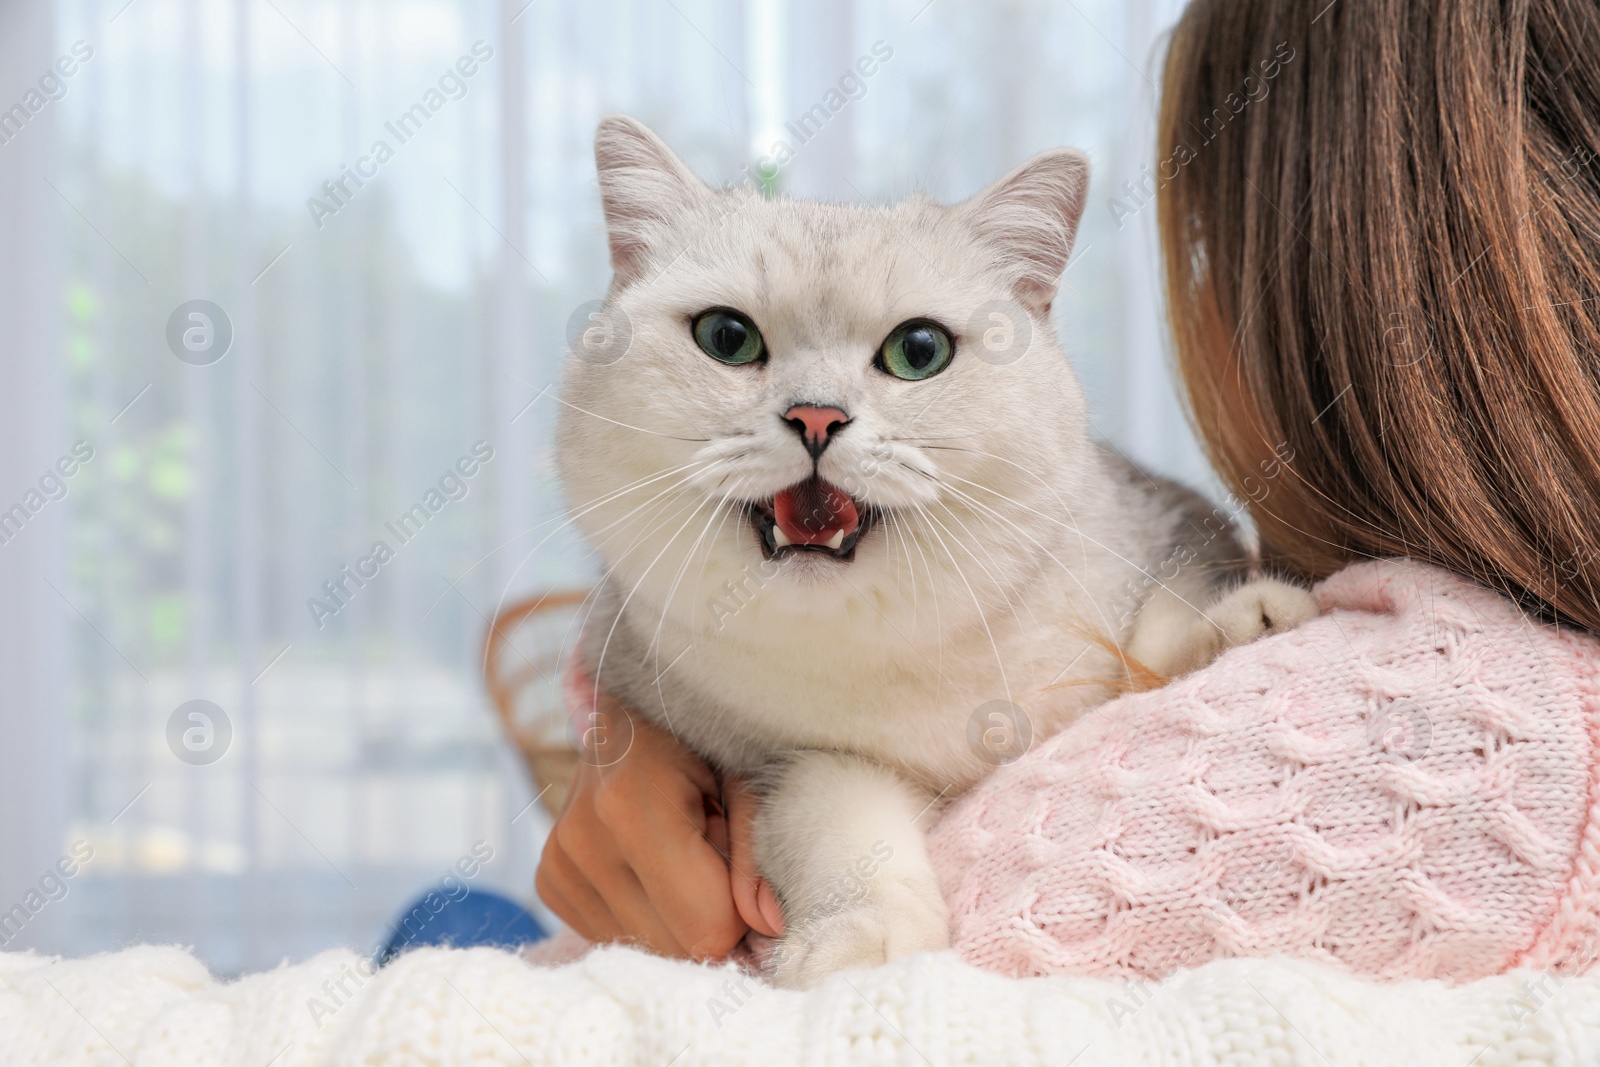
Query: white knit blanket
{"points": [[152, 1007]]}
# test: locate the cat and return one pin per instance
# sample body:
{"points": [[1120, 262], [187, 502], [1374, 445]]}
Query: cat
{"points": [[858, 537]]}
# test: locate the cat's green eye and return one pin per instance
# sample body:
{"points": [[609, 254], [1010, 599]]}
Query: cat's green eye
{"points": [[916, 350], [729, 336]]}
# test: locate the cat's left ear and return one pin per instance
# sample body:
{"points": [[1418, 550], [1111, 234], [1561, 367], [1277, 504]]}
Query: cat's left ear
{"points": [[644, 190], [1030, 219]]}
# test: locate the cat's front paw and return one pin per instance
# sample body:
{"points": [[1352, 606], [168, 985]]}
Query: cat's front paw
{"points": [[1258, 608], [1173, 644], [868, 934]]}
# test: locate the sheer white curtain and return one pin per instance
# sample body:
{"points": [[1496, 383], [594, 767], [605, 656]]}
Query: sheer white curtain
{"points": [[392, 314], [34, 626]]}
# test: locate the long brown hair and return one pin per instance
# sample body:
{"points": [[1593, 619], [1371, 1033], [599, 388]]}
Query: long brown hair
{"points": [[1381, 225]]}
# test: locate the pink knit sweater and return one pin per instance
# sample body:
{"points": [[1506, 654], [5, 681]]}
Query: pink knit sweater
{"points": [[1404, 787]]}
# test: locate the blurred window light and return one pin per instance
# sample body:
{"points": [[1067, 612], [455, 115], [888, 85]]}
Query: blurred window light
{"points": [[247, 464]]}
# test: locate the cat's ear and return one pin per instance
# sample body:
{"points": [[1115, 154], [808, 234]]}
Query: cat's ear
{"points": [[644, 188], [1030, 219]]}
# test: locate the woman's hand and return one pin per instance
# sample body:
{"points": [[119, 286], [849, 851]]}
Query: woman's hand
{"points": [[638, 852], [757, 903]]}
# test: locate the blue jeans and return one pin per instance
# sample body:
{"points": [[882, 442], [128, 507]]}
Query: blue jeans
{"points": [[478, 918]]}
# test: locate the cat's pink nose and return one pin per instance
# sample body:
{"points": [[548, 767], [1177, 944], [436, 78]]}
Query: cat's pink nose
{"points": [[815, 425]]}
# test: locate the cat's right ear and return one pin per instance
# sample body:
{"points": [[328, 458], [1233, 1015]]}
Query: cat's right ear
{"points": [[644, 189], [1030, 219]]}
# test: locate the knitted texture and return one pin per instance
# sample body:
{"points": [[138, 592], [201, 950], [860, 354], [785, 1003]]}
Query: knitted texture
{"points": [[157, 1007], [1404, 787]]}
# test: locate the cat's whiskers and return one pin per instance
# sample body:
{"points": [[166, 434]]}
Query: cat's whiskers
{"points": [[700, 578], [904, 551], [630, 426], [1107, 627], [1004, 588], [723, 468], [681, 483], [623, 607], [1074, 528], [654, 649], [983, 616], [586, 606], [909, 535], [640, 531], [643, 528], [733, 512], [1069, 571], [571, 518], [659, 502], [721, 443], [921, 442], [1013, 463], [648, 531], [897, 519], [918, 471], [970, 539]]}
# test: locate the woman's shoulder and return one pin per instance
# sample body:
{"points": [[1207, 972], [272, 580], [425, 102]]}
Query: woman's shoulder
{"points": [[1399, 587], [1402, 784], [1393, 629]]}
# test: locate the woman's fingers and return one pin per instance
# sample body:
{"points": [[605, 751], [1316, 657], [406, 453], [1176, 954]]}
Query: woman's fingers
{"points": [[629, 856], [717, 832], [662, 831], [757, 903], [568, 893], [637, 914], [592, 874]]}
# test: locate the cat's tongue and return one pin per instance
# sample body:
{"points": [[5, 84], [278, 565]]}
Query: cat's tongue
{"points": [[815, 512]]}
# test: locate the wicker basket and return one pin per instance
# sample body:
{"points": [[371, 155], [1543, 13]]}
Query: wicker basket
{"points": [[524, 656]]}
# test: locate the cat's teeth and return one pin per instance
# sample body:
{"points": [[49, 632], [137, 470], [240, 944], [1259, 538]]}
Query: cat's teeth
{"points": [[836, 542], [779, 538]]}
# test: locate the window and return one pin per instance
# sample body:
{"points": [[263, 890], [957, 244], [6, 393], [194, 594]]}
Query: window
{"points": [[280, 271]]}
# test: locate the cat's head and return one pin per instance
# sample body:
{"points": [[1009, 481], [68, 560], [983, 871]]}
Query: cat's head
{"points": [[787, 406]]}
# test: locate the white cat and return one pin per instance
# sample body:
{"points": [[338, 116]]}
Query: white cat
{"points": [[858, 540]]}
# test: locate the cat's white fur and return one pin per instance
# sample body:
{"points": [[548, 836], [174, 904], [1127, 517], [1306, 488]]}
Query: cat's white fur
{"points": [[853, 690]]}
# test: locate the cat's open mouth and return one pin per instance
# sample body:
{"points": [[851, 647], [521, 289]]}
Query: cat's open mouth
{"points": [[811, 516]]}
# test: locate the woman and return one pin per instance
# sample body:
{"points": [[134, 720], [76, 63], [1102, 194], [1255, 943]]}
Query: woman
{"points": [[1384, 281]]}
